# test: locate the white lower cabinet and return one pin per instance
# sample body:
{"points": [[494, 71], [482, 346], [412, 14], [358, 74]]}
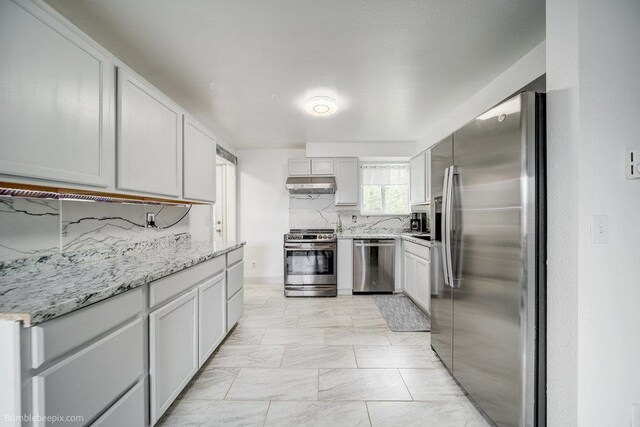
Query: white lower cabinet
{"points": [[345, 266], [235, 308], [423, 283], [173, 350], [409, 271], [84, 383], [212, 315], [235, 279], [91, 362], [416, 271], [129, 410]]}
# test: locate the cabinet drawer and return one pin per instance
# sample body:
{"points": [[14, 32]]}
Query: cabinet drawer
{"points": [[235, 279], [235, 308], [418, 250], [87, 382], [129, 410], [235, 256], [162, 290], [55, 337]]}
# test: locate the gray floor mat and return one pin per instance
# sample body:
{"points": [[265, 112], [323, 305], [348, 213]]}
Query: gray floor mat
{"points": [[401, 314]]}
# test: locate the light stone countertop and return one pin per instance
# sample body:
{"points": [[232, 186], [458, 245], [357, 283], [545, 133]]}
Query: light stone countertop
{"points": [[42, 289]]}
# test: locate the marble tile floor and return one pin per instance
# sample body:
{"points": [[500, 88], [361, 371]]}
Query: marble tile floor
{"points": [[320, 362]]}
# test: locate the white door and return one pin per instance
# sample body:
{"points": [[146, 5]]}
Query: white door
{"points": [[225, 210], [199, 174], [149, 139], [219, 228], [173, 350], [56, 105], [212, 307]]}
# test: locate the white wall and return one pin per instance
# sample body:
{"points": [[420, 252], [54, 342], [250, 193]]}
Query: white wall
{"points": [[524, 71], [264, 210], [563, 146], [609, 293], [594, 344]]}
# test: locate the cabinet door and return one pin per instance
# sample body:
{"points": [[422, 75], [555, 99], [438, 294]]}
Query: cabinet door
{"points": [[149, 139], [423, 283], [417, 178], [173, 350], [199, 164], [55, 100], [321, 166], [345, 266], [409, 274], [347, 181], [212, 306], [427, 176], [299, 167]]}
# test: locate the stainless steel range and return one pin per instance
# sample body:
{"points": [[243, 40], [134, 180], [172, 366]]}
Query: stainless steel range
{"points": [[310, 263]]}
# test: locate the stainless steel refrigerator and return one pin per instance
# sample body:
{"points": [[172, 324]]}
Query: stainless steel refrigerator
{"points": [[488, 313]]}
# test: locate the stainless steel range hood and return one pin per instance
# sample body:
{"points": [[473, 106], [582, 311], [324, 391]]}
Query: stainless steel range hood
{"points": [[311, 185]]}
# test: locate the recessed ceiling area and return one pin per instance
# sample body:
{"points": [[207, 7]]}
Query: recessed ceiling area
{"points": [[246, 68]]}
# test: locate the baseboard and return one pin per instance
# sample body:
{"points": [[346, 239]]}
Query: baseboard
{"points": [[345, 292], [267, 280]]}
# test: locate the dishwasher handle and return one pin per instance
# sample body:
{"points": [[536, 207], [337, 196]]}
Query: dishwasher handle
{"points": [[373, 243]]}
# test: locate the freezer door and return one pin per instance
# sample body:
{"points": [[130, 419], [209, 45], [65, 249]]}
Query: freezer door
{"points": [[490, 296], [441, 294]]}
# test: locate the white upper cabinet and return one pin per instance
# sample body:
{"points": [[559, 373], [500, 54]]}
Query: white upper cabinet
{"points": [[420, 189], [322, 167], [347, 181], [55, 100], [199, 167], [149, 139], [299, 167]]}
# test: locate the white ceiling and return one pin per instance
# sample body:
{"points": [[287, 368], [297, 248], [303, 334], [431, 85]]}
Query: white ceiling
{"points": [[244, 67]]}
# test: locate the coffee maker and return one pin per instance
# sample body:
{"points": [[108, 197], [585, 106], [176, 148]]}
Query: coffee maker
{"points": [[419, 222]]}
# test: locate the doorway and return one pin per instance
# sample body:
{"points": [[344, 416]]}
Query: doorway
{"points": [[225, 227]]}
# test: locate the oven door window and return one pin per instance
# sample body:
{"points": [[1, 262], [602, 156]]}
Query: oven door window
{"points": [[310, 262]]}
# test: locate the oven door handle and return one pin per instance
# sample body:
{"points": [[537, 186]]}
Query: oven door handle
{"points": [[309, 246]]}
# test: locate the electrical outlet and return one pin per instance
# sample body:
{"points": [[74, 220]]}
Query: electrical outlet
{"points": [[635, 415], [253, 264], [151, 220], [354, 218], [599, 229]]}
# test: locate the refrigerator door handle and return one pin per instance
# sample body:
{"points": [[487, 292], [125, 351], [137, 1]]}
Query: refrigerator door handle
{"points": [[443, 225], [448, 222]]}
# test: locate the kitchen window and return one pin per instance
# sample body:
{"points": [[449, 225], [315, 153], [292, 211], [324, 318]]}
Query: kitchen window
{"points": [[384, 188]]}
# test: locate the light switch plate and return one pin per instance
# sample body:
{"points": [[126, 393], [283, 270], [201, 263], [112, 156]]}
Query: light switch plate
{"points": [[599, 229], [632, 164]]}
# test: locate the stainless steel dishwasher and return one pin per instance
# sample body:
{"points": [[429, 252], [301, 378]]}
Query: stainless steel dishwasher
{"points": [[374, 265]]}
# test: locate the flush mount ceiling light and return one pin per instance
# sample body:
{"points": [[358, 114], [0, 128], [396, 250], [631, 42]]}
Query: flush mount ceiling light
{"points": [[321, 106]]}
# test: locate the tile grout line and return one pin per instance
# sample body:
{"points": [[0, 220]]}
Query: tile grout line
{"points": [[405, 385], [266, 415], [366, 403]]}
